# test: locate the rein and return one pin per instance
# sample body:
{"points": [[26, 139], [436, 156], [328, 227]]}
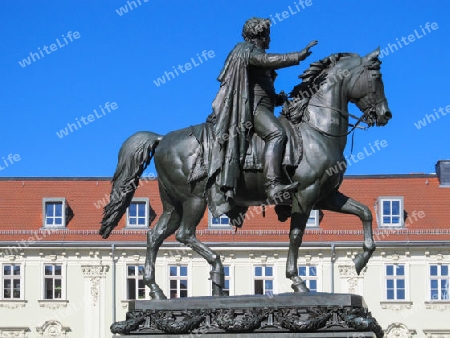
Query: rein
{"points": [[342, 135], [343, 114]]}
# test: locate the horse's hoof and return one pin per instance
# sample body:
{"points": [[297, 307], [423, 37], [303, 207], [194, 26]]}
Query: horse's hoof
{"points": [[299, 286], [359, 262], [157, 294], [218, 293]]}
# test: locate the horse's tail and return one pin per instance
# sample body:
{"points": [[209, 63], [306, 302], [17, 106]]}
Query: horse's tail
{"points": [[134, 157]]}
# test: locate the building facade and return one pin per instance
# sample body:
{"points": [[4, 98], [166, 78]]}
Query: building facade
{"points": [[60, 279]]}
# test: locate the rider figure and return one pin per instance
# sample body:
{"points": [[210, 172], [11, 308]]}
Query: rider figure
{"points": [[247, 80]]}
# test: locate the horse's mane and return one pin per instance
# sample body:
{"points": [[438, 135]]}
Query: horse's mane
{"points": [[312, 79], [316, 74]]}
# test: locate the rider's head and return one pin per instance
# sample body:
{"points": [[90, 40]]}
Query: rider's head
{"points": [[257, 30]]}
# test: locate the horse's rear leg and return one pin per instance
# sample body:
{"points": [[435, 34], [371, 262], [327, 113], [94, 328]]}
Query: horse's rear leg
{"points": [[193, 211], [346, 205], [167, 225]]}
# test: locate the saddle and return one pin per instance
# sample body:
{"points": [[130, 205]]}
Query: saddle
{"points": [[293, 151], [203, 133]]}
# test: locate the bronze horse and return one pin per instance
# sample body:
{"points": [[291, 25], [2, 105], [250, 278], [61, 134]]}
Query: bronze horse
{"points": [[338, 79]]}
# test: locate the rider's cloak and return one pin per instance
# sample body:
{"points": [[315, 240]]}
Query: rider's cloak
{"points": [[232, 119]]}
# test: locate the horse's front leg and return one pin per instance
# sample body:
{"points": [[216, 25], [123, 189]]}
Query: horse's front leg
{"points": [[346, 205], [299, 218]]}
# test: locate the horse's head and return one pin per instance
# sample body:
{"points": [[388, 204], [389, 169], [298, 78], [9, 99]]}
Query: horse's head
{"points": [[367, 91], [338, 79]]}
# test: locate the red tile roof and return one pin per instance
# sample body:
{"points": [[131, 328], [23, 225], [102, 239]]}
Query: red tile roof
{"points": [[21, 212]]}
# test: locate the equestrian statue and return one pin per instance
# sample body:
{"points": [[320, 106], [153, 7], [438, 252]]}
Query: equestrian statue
{"points": [[244, 156]]}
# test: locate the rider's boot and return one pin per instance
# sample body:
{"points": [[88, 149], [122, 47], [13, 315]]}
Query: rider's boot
{"points": [[273, 155]]}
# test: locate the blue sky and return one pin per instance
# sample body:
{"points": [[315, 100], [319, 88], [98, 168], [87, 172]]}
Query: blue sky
{"points": [[95, 56]]}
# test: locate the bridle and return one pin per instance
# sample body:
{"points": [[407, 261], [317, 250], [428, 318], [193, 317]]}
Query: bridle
{"points": [[366, 104]]}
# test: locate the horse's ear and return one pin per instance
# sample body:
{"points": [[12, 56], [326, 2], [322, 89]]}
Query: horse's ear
{"points": [[373, 55]]}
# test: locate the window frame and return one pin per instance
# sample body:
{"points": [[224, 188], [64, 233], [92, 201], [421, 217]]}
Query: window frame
{"points": [[136, 279], [218, 226], [62, 278], [55, 200], [315, 214], [138, 200], [178, 278], [308, 278], [264, 278], [439, 278], [229, 278], [380, 209], [395, 277], [21, 279]]}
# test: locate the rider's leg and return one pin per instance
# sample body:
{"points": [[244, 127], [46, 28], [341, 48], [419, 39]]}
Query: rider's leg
{"points": [[267, 126]]}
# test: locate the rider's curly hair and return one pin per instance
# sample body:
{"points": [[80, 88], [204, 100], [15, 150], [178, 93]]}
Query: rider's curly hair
{"points": [[255, 28]]}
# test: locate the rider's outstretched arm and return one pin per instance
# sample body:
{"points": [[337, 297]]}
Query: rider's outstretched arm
{"points": [[274, 61]]}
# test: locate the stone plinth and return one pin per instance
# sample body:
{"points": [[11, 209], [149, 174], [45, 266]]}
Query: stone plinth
{"points": [[287, 315]]}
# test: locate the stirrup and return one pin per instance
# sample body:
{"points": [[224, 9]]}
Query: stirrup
{"points": [[274, 191]]}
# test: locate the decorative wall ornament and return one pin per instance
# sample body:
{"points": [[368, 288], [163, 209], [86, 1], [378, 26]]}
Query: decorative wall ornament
{"points": [[352, 285], [354, 281], [349, 271], [399, 330], [437, 333], [396, 306], [15, 304], [439, 305], [53, 304], [52, 329], [14, 332], [94, 273]]}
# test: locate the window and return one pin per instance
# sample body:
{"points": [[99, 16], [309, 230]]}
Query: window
{"points": [[221, 221], [439, 282], [263, 280], [227, 278], [137, 213], [57, 213], [53, 213], [12, 281], [390, 211], [135, 282], [178, 281], [313, 220], [53, 281], [226, 289], [395, 285], [309, 276]]}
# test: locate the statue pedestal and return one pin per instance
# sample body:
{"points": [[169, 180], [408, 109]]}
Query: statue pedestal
{"points": [[286, 315], [348, 334]]}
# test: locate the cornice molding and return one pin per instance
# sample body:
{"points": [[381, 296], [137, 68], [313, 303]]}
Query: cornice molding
{"points": [[53, 304], [438, 305], [396, 305], [13, 303]]}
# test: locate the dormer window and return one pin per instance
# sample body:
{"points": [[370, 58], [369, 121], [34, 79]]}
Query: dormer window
{"points": [[138, 213], [57, 212], [390, 211]]}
